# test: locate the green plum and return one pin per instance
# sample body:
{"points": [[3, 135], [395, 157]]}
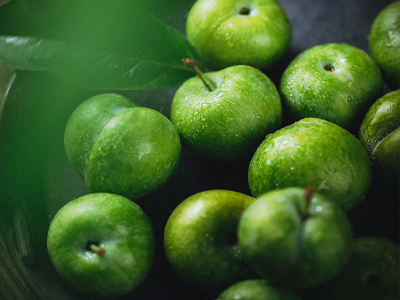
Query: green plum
{"points": [[236, 32], [101, 245], [228, 121], [119, 147], [336, 82], [255, 289], [200, 239], [317, 152], [372, 273], [295, 238], [384, 43], [380, 135]]}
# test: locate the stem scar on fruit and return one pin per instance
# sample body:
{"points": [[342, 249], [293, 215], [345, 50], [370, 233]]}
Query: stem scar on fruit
{"points": [[194, 64]]}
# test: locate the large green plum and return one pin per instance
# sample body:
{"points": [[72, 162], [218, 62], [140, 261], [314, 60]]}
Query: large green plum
{"points": [[384, 43], [372, 273], [235, 32], [314, 152], [230, 121], [101, 245], [336, 82], [380, 135], [119, 147], [255, 289], [200, 239], [294, 237]]}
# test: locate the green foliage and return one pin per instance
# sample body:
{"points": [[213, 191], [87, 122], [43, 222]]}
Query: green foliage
{"points": [[96, 44]]}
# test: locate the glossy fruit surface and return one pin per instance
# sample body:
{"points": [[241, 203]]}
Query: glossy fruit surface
{"points": [[384, 43], [295, 239], [101, 245], [335, 82], [200, 239], [229, 122], [371, 274], [118, 147], [380, 135], [227, 33], [255, 289], [313, 152]]}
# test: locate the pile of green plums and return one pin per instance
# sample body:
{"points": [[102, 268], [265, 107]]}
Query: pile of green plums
{"points": [[292, 233]]}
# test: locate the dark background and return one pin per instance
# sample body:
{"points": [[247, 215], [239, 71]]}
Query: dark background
{"points": [[37, 177]]}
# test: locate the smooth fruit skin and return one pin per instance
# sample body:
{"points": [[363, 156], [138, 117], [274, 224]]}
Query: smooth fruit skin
{"points": [[110, 221], [314, 152], [122, 149], [384, 43], [372, 273], [293, 241], [334, 82], [200, 239], [256, 289], [380, 135], [228, 123], [223, 36]]}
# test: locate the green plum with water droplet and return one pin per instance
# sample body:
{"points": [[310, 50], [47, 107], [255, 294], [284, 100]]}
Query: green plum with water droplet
{"points": [[295, 237], [372, 273], [224, 115], [256, 289], [336, 82], [200, 239], [317, 152], [235, 32], [101, 245], [384, 43], [380, 135], [119, 147]]}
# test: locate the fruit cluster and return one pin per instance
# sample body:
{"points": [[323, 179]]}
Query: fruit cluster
{"points": [[292, 234]]}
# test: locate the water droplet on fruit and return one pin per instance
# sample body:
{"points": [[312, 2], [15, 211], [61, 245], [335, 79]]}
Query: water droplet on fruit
{"points": [[205, 106]]}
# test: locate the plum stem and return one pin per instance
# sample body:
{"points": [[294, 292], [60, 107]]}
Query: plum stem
{"points": [[308, 194], [194, 65], [98, 250]]}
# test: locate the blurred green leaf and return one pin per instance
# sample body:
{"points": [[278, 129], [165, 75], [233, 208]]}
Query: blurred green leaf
{"points": [[29, 17], [97, 44], [93, 69]]}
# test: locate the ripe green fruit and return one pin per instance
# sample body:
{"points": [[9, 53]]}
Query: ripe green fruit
{"points": [[118, 147], [371, 274], [335, 82], [380, 135], [200, 239], [230, 121], [255, 289], [313, 152], [384, 43], [227, 33], [294, 237], [101, 245]]}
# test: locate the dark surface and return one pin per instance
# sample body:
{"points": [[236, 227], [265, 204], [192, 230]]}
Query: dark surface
{"points": [[36, 174]]}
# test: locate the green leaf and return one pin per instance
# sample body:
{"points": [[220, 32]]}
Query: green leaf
{"points": [[115, 45]]}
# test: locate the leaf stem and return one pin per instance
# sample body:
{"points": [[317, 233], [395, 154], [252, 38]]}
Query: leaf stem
{"points": [[194, 64]]}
